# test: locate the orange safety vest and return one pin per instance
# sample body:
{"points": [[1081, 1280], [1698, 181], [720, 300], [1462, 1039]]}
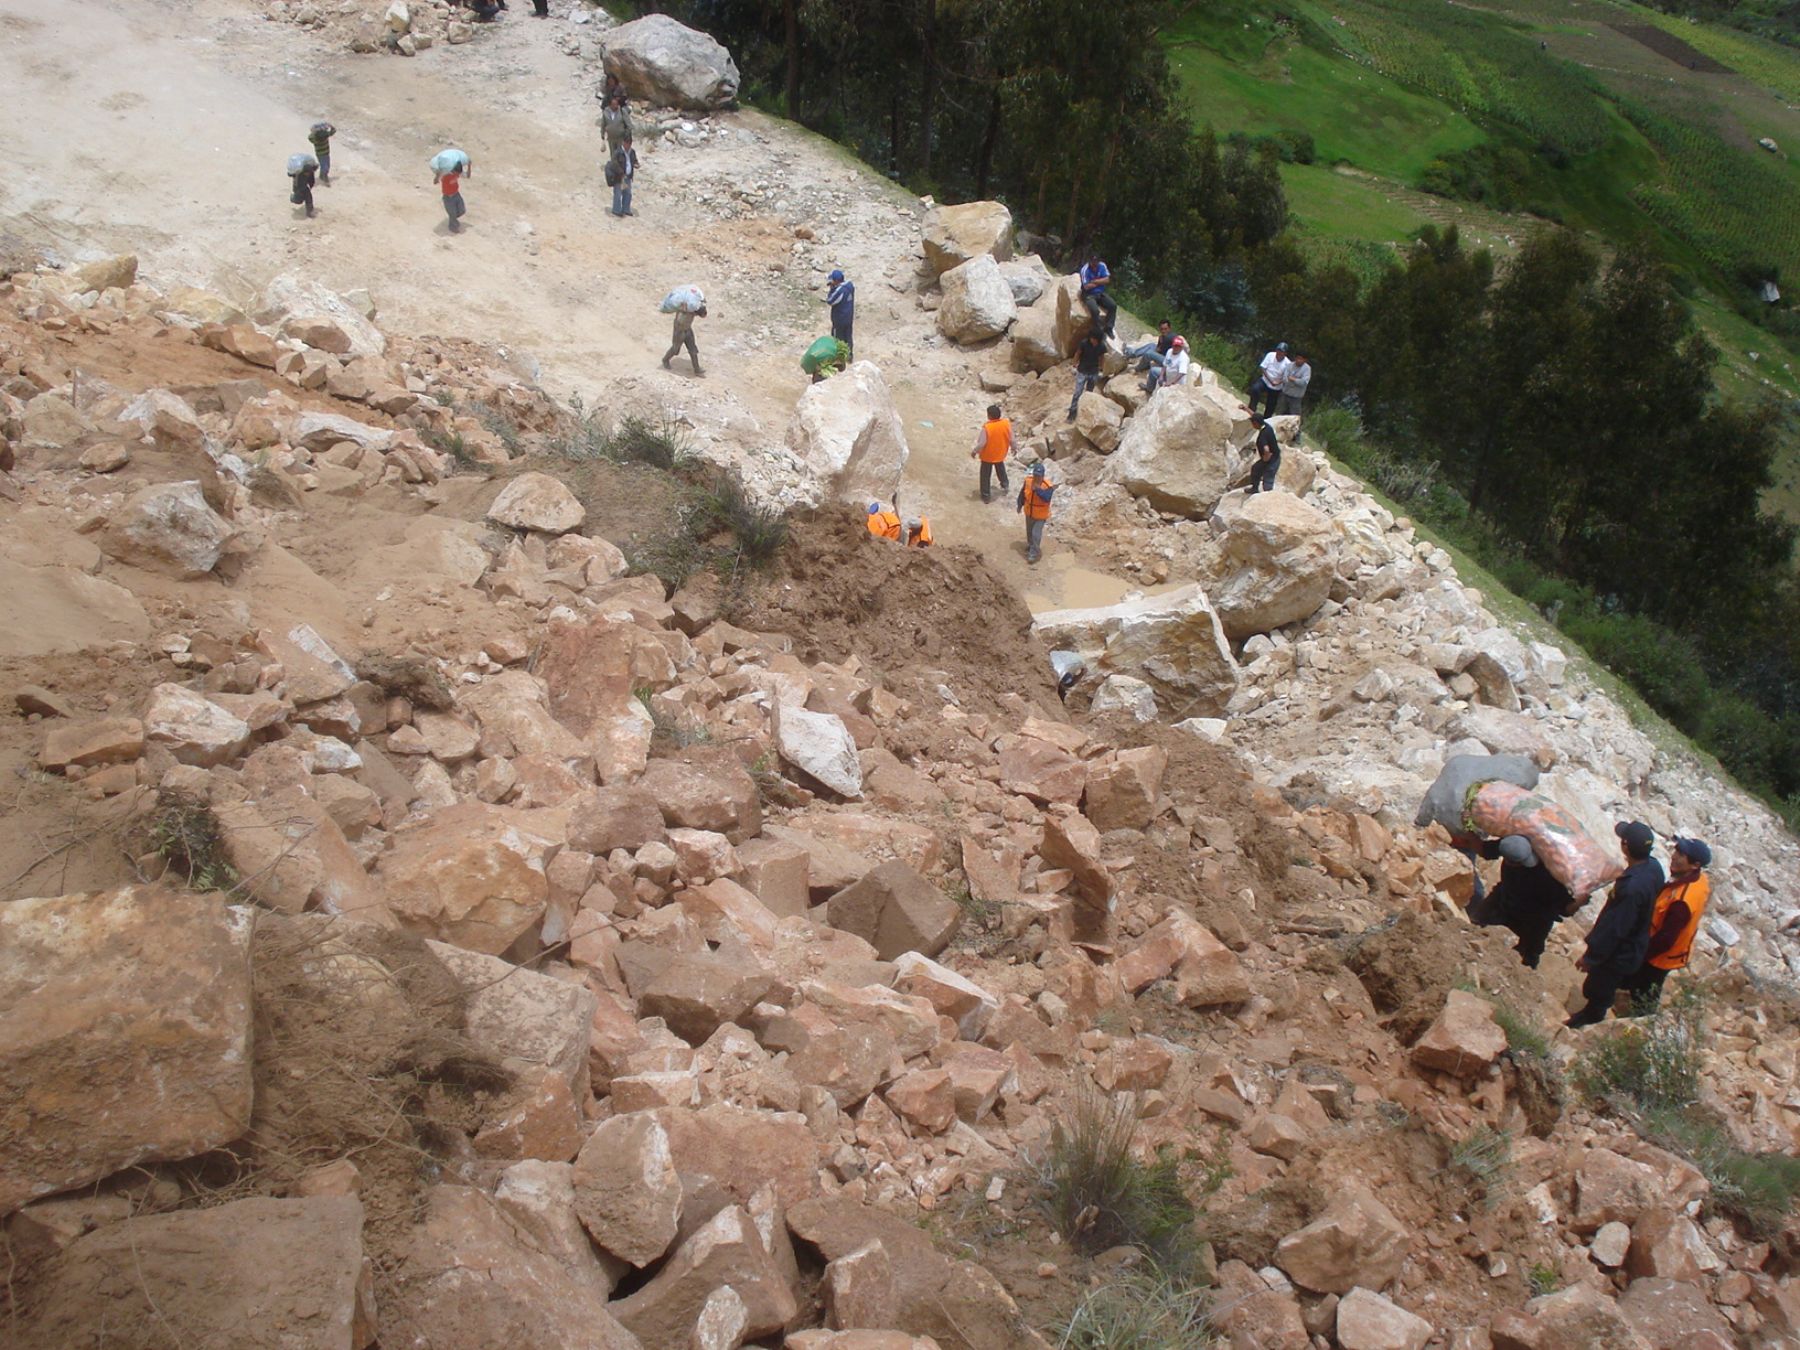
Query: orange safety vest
{"points": [[1694, 894], [885, 525], [1035, 507], [999, 441], [921, 537]]}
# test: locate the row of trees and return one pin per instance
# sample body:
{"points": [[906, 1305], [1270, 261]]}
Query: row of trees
{"points": [[1565, 403]]}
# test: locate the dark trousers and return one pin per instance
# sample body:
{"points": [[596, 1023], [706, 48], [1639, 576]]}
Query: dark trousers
{"points": [[1259, 390], [841, 331], [987, 473], [302, 196], [1645, 989], [541, 8], [1104, 310], [1599, 989], [1531, 928], [1262, 475]]}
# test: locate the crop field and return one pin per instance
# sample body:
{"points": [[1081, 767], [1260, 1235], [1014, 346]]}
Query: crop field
{"points": [[1633, 125]]}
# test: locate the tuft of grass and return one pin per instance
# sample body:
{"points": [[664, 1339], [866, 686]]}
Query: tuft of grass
{"points": [[1145, 1309], [1650, 1065], [1482, 1163], [185, 834], [1523, 1037], [658, 442], [1098, 1194], [1543, 1279], [673, 730], [759, 532], [980, 913], [496, 420], [462, 460]]}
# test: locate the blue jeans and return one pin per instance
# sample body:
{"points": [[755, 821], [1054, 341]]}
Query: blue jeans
{"points": [[1146, 353], [1034, 539], [1083, 383], [622, 200]]}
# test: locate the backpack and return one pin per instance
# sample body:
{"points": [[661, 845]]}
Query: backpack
{"points": [[612, 173]]}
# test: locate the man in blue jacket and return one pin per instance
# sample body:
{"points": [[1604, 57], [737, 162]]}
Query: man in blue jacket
{"points": [[1620, 937], [842, 299], [1101, 307]]}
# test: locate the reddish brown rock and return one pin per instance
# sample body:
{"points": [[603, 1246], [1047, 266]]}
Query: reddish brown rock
{"points": [[745, 1151], [1356, 1241], [1668, 1245], [1576, 1318], [1609, 1187], [1122, 791], [468, 875], [113, 740], [1675, 1315], [727, 1252], [473, 1279], [776, 873], [1465, 1041], [895, 910], [124, 1034], [698, 992], [1041, 771], [926, 1097], [858, 1289], [259, 1273], [627, 1192], [1256, 1317], [1367, 1321], [706, 793]]}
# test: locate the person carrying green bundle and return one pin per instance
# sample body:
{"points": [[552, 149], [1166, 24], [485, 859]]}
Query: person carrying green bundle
{"points": [[825, 357]]}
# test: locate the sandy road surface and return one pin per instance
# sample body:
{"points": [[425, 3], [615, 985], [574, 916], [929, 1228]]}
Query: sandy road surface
{"points": [[163, 126]]}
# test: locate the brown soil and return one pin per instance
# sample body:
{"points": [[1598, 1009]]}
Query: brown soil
{"points": [[1672, 47], [1409, 964], [918, 618]]}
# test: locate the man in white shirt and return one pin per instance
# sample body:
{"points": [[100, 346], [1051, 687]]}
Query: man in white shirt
{"points": [[1267, 385], [1293, 388], [1174, 367]]}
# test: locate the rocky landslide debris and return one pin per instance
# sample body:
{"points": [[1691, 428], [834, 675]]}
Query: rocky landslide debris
{"points": [[693, 965]]}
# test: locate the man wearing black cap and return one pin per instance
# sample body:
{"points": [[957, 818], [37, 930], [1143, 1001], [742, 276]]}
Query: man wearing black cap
{"points": [[1620, 937], [1674, 921]]}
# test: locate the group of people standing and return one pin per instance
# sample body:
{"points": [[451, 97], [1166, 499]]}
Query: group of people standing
{"points": [[1645, 930]]}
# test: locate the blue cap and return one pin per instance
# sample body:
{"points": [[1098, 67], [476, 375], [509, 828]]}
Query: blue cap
{"points": [[1694, 850], [1635, 833], [874, 508], [837, 274]]}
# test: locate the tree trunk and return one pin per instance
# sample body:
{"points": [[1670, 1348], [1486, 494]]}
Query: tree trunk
{"points": [[928, 88], [989, 138], [791, 19]]}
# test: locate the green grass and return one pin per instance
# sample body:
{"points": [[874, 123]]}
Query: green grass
{"points": [[1241, 70], [1143, 1310], [1767, 64], [1326, 204]]}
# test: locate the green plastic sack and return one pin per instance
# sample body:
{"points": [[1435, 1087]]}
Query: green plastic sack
{"points": [[827, 354]]}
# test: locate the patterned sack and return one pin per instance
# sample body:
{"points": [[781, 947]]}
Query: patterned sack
{"points": [[1500, 809]]}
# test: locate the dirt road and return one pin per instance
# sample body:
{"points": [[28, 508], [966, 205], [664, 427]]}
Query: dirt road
{"points": [[162, 127]]}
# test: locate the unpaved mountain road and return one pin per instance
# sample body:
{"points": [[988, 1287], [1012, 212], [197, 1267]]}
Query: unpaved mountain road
{"points": [[162, 127]]}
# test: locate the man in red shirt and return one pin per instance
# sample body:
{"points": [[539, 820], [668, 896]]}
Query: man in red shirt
{"points": [[451, 185]]}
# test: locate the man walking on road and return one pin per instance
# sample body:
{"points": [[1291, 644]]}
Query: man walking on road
{"points": [[842, 299], [450, 184], [993, 443], [1034, 502], [684, 337], [1620, 937], [1087, 367], [620, 170]]}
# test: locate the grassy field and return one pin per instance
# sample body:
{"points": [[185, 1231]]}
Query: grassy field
{"points": [[1626, 122]]}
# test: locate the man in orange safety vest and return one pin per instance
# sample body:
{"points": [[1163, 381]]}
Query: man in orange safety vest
{"points": [[1674, 923], [884, 524], [1034, 502]]}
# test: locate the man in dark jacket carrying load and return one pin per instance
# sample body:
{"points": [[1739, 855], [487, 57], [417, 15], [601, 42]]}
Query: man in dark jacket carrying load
{"points": [[1620, 937], [1529, 901]]}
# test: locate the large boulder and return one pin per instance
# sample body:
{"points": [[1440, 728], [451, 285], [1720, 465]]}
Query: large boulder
{"points": [[895, 910], [1175, 454], [667, 63], [1174, 641], [295, 303], [848, 433], [705, 792], [473, 1278], [536, 501], [1576, 1318], [820, 746], [1069, 315], [1356, 1241], [193, 729], [1284, 556], [1465, 1041], [1028, 279], [627, 1191], [528, 1018], [977, 303], [466, 875], [169, 528], [955, 234], [259, 1273], [124, 1034], [1034, 341], [728, 1251]]}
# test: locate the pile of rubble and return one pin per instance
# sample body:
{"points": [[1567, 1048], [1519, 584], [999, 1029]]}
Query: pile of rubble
{"points": [[680, 968]]}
